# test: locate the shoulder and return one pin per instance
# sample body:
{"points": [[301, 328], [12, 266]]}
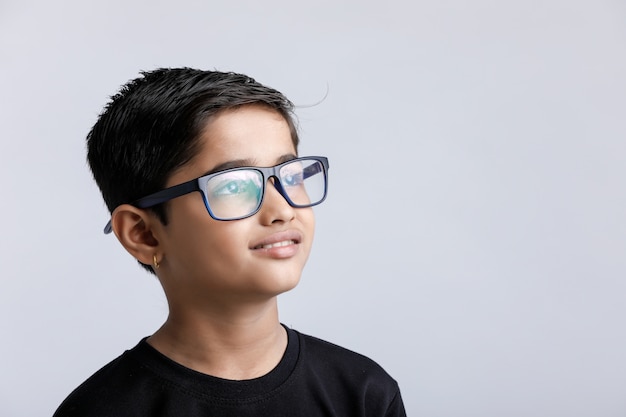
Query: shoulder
{"points": [[349, 375], [328, 354], [107, 386]]}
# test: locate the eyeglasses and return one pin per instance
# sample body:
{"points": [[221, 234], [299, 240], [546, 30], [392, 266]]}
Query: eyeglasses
{"points": [[237, 193]]}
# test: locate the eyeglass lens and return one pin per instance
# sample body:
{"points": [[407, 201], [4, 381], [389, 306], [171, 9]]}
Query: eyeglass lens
{"points": [[239, 193]]}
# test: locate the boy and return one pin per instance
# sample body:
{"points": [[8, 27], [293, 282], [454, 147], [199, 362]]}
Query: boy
{"points": [[181, 157]]}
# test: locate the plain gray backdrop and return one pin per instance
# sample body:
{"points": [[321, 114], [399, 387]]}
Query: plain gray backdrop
{"points": [[474, 239]]}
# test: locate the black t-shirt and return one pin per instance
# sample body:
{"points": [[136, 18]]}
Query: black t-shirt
{"points": [[314, 378]]}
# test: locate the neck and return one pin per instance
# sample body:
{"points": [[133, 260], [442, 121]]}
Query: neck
{"points": [[230, 343]]}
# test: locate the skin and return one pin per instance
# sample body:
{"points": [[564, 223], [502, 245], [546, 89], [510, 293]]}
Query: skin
{"points": [[220, 286]]}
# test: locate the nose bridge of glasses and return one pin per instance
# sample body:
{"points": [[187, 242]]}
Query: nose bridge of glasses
{"points": [[272, 176], [274, 180]]}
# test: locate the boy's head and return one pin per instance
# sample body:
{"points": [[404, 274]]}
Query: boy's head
{"points": [[153, 126]]}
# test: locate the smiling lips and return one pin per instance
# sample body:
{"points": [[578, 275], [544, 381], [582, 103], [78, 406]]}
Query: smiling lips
{"points": [[279, 245], [276, 245]]}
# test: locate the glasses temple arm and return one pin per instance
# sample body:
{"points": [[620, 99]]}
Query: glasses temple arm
{"points": [[160, 197], [312, 170]]}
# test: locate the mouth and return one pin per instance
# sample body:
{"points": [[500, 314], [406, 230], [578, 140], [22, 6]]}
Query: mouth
{"points": [[276, 245], [278, 240]]}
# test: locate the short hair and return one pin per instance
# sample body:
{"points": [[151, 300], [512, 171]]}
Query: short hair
{"points": [[152, 127]]}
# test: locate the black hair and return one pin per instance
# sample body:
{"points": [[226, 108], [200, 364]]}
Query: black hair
{"points": [[152, 127]]}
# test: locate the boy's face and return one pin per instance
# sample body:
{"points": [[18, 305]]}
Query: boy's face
{"points": [[224, 261]]}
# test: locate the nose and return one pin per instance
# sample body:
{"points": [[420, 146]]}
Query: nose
{"points": [[275, 207]]}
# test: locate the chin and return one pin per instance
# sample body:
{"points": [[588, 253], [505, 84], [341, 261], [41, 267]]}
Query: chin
{"points": [[278, 284]]}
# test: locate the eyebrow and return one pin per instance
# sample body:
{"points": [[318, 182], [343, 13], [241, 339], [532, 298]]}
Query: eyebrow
{"points": [[239, 163]]}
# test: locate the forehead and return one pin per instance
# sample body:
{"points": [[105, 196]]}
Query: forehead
{"points": [[258, 135], [251, 131]]}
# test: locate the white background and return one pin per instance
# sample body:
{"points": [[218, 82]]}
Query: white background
{"points": [[474, 239]]}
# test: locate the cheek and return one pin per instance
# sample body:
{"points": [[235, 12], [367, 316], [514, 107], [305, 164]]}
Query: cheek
{"points": [[197, 240], [215, 242], [210, 257]]}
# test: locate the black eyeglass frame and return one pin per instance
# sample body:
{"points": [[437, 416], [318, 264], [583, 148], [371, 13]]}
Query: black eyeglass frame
{"points": [[199, 184]]}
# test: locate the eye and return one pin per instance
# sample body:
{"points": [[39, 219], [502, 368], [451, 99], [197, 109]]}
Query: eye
{"points": [[234, 187], [292, 179]]}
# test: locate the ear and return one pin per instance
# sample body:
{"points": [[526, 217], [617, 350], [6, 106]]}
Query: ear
{"points": [[135, 229]]}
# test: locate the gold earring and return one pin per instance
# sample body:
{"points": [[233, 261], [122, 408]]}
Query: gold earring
{"points": [[155, 262]]}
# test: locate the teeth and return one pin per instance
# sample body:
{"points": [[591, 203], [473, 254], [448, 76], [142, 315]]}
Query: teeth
{"points": [[277, 244]]}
